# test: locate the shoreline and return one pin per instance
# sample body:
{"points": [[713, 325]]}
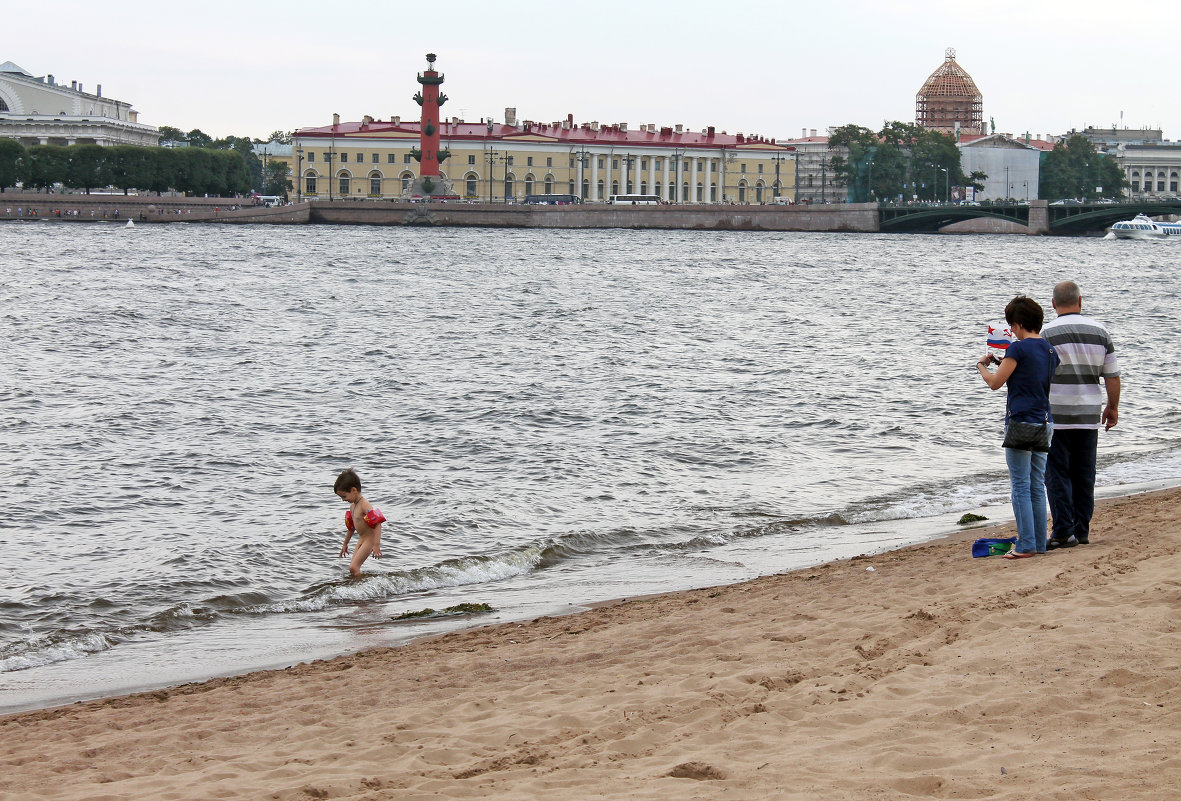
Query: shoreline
{"points": [[923, 531], [924, 676]]}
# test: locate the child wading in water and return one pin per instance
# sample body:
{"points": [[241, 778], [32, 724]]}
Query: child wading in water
{"points": [[362, 518]]}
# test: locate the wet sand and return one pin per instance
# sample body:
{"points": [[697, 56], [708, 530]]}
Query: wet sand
{"points": [[933, 675]]}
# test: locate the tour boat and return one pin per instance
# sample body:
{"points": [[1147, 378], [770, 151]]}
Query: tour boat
{"points": [[1143, 227]]}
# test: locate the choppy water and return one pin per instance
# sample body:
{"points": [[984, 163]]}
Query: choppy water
{"points": [[547, 418]]}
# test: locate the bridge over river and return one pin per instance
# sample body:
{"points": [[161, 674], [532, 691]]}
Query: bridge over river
{"points": [[1038, 216]]}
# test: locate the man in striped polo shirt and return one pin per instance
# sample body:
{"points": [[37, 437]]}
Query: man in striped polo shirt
{"points": [[1087, 355]]}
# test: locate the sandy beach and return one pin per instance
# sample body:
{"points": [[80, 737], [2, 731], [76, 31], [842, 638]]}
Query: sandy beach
{"points": [[919, 673]]}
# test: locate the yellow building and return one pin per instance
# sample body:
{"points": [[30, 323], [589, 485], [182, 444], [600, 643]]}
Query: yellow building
{"points": [[504, 162]]}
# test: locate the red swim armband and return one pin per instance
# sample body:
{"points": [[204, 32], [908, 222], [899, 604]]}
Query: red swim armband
{"points": [[348, 521], [373, 517]]}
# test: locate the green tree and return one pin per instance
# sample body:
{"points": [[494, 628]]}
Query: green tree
{"points": [[198, 138], [902, 161], [232, 173], [88, 167], [275, 180], [282, 137], [11, 154], [197, 172], [132, 167], [860, 143], [44, 166], [162, 170], [170, 134], [1074, 168]]}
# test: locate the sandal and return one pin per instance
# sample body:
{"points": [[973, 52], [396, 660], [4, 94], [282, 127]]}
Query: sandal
{"points": [[1018, 555]]}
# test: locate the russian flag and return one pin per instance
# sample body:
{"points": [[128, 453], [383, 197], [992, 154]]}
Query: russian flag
{"points": [[999, 336]]}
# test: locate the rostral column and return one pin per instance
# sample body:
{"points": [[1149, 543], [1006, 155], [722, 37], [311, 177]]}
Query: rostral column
{"points": [[428, 154]]}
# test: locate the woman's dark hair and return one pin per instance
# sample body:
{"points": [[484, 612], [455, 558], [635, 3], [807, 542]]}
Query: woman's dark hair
{"points": [[346, 481], [1026, 313]]}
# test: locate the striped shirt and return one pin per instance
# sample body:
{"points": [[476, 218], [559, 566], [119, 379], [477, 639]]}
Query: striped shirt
{"points": [[1087, 355]]}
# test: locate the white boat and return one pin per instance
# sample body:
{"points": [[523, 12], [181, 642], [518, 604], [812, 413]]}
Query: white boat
{"points": [[1143, 227]]}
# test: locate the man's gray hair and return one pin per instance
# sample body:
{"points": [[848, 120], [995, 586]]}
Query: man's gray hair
{"points": [[1067, 294]]}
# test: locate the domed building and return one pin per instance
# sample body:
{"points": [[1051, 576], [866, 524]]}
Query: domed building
{"points": [[949, 100]]}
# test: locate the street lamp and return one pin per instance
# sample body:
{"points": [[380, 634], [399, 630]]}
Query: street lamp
{"points": [[299, 174], [583, 155], [492, 156], [488, 153], [946, 185], [674, 194], [779, 158]]}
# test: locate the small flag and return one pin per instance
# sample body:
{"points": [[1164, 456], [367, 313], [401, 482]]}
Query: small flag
{"points": [[1000, 337]]}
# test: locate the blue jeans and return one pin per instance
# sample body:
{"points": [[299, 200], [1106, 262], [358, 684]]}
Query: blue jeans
{"points": [[1070, 481], [1027, 483]]}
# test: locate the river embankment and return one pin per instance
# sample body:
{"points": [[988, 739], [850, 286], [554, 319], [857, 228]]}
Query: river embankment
{"points": [[845, 217]]}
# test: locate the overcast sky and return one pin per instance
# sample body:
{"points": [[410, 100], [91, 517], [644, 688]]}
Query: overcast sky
{"points": [[771, 68]]}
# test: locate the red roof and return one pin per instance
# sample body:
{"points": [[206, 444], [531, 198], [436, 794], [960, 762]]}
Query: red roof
{"points": [[582, 134]]}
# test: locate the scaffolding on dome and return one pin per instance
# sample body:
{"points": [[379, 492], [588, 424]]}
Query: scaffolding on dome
{"points": [[949, 97]]}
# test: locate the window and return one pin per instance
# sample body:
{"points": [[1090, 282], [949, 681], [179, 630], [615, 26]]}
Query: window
{"points": [[508, 186], [643, 187], [343, 189], [615, 187], [360, 158], [643, 164], [328, 157], [407, 180], [391, 158], [549, 162], [659, 164], [311, 156], [760, 169], [528, 163], [744, 168], [602, 162], [376, 158], [375, 184], [470, 187], [472, 160], [573, 189], [549, 184], [510, 161], [405, 158], [528, 184], [571, 165], [309, 185], [615, 166], [344, 158], [742, 192]]}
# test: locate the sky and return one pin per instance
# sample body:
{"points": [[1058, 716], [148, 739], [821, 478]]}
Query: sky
{"points": [[772, 68]]}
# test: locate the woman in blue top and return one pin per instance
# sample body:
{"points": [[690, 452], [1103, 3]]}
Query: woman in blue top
{"points": [[1027, 368]]}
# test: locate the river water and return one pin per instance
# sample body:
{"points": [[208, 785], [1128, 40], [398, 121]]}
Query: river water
{"points": [[546, 418]]}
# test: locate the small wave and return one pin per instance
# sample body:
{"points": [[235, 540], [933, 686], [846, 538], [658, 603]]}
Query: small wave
{"points": [[45, 649], [451, 573]]}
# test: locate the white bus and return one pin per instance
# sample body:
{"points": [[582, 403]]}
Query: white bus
{"points": [[635, 200]]}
